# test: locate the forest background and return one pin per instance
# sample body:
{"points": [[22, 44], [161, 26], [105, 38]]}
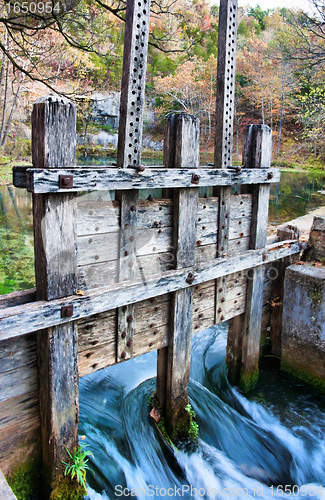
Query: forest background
{"points": [[75, 48]]}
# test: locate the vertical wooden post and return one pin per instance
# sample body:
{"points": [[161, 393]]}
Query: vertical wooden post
{"points": [[245, 330], [129, 153], [174, 361], [55, 235], [227, 38]]}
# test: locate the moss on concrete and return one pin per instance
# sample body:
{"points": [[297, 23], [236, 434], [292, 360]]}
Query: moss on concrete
{"points": [[315, 382], [25, 480], [315, 293]]}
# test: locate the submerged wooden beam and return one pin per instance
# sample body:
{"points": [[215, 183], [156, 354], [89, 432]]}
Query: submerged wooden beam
{"points": [[99, 179], [20, 320]]}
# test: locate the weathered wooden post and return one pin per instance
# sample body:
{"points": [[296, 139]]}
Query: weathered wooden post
{"points": [[55, 236], [129, 154], [226, 74], [173, 362], [245, 330]]}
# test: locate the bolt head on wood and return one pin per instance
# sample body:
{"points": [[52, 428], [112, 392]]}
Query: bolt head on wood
{"points": [[270, 175], [195, 179], [190, 278], [66, 311], [129, 343], [123, 355], [129, 318], [65, 181]]}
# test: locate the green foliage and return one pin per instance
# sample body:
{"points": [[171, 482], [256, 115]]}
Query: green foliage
{"points": [[78, 465], [194, 428]]}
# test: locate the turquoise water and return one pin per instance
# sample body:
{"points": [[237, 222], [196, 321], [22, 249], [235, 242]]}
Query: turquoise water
{"points": [[264, 445]]}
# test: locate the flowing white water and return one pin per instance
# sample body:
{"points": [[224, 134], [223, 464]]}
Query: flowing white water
{"points": [[270, 445]]}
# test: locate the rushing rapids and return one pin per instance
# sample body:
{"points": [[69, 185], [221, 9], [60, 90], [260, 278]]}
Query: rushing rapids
{"points": [[270, 445]]}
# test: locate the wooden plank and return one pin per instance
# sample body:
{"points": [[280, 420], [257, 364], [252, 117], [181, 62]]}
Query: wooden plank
{"points": [[17, 298], [173, 362], [127, 271], [18, 381], [20, 320], [244, 332], [18, 409], [17, 353], [55, 235], [101, 179]]}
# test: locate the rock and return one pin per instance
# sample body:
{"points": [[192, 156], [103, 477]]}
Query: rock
{"points": [[316, 243]]}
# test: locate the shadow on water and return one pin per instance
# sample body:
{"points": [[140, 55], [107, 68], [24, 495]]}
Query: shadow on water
{"points": [[246, 447]]}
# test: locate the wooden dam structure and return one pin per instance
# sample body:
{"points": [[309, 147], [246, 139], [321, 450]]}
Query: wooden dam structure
{"points": [[119, 274]]}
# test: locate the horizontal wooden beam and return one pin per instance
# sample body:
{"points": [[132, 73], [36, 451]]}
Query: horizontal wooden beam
{"points": [[100, 179], [20, 320]]}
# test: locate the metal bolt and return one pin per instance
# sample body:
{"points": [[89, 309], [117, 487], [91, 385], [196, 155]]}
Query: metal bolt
{"points": [[223, 299], [223, 202], [219, 310], [226, 236], [223, 226], [132, 208], [159, 231], [132, 238], [239, 222], [94, 365], [203, 227], [126, 225], [201, 315], [222, 317], [88, 354], [140, 168], [151, 325], [199, 219], [90, 240], [198, 242], [190, 278], [96, 228], [96, 257], [126, 253], [151, 344], [241, 235], [195, 179], [222, 249], [129, 343], [66, 311], [226, 216], [220, 290], [270, 175], [95, 342], [123, 354], [155, 332], [123, 335], [129, 318]]}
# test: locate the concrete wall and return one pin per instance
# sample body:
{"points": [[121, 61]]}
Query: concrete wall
{"points": [[303, 325]]}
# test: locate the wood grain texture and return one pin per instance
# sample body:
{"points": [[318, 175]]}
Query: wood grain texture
{"points": [[101, 179], [20, 320], [55, 243]]}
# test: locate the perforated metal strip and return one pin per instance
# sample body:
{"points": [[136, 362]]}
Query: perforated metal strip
{"points": [[226, 83], [133, 83]]}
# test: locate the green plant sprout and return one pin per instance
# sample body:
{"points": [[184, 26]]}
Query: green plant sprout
{"points": [[78, 465]]}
